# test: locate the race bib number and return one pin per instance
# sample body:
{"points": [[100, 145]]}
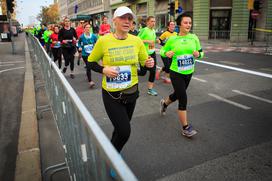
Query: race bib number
{"points": [[88, 48], [185, 62], [122, 80]]}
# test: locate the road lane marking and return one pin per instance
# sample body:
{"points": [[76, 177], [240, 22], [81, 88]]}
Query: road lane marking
{"points": [[198, 79], [266, 69], [12, 62], [6, 65], [237, 69], [229, 101], [231, 63], [11, 69], [252, 96]]}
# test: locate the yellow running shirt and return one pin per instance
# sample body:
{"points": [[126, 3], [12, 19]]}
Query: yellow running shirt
{"points": [[124, 55]]}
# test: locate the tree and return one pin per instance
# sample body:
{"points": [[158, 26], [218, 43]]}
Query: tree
{"points": [[49, 14]]}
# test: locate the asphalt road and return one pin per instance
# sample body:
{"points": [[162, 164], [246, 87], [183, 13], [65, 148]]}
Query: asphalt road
{"points": [[230, 109], [11, 91]]}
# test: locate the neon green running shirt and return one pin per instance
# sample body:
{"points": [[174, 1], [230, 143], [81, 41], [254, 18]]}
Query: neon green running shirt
{"points": [[148, 34], [183, 61]]}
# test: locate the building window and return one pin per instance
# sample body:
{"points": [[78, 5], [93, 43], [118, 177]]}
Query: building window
{"points": [[220, 21]]}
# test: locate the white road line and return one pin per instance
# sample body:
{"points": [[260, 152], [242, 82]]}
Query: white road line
{"points": [[230, 102], [238, 69], [11, 69], [231, 63], [252, 96], [12, 62], [6, 65], [198, 79]]}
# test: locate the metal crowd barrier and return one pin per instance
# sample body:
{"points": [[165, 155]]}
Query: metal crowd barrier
{"points": [[88, 152]]}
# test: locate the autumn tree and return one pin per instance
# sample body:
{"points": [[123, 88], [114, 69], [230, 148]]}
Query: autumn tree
{"points": [[49, 14]]}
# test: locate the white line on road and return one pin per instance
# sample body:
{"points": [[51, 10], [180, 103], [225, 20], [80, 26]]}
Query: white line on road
{"points": [[230, 102], [6, 65], [252, 96], [198, 79], [12, 62], [238, 69], [11, 69], [231, 63]]}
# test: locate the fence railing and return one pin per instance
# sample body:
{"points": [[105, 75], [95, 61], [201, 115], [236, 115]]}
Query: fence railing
{"points": [[88, 152]]}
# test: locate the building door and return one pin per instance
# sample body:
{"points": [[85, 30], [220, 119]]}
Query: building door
{"points": [[220, 22]]}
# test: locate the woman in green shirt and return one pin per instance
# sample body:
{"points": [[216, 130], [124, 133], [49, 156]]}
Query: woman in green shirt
{"points": [[183, 49]]}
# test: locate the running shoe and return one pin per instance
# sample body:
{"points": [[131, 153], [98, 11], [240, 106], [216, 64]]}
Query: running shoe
{"points": [[72, 76], [189, 131], [91, 84], [113, 174], [64, 69], [167, 80], [152, 92], [162, 108]]}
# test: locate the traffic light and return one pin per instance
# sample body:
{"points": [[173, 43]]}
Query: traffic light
{"points": [[257, 5], [171, 8], [10, 6]]}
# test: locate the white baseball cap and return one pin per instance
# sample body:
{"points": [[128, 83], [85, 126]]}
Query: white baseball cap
{"points": [[122, 11]]}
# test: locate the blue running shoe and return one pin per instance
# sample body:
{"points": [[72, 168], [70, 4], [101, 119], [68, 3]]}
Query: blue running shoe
{"points": [[189, 131], [113, 174], [152, 92]]}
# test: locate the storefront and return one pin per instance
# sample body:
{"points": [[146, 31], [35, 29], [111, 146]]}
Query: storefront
{"points": [[220, 19]]}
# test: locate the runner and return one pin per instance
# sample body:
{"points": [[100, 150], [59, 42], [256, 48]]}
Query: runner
{"points": [[104, 27], [132, 30], [47, 41], [85, 43], [79, 32], [148, 36], [183, 49], [166, 61], [120, 53], [55, 46], [68, 37]]}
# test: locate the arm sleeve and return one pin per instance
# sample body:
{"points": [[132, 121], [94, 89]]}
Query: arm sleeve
{"points": [[60, 35], [142, 54], [166, 47], [75, 34], [79, 42], [199, 48], [96, 67]]}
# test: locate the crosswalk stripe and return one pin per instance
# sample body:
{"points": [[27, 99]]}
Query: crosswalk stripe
{"points": [[252, 96], [229, 101]]}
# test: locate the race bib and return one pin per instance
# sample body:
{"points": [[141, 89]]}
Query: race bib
{"points": [[185, 62], [151, 49], [57, 45], [88, 48], [122, 80]]}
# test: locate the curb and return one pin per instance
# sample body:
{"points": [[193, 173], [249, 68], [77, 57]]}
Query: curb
{"points": [[28, 156]]}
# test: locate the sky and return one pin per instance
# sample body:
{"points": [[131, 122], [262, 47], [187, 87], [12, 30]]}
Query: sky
{"points": [[27, 8]]}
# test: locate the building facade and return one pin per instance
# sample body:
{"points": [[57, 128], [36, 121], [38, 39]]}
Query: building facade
{"points": [[233, 20]]}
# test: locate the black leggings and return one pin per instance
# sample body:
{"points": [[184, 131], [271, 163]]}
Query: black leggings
{"points": [[180, 83], [69, 57], [120, 115], [88, 68], [57, 55], [167, 63], [152, 71]]}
